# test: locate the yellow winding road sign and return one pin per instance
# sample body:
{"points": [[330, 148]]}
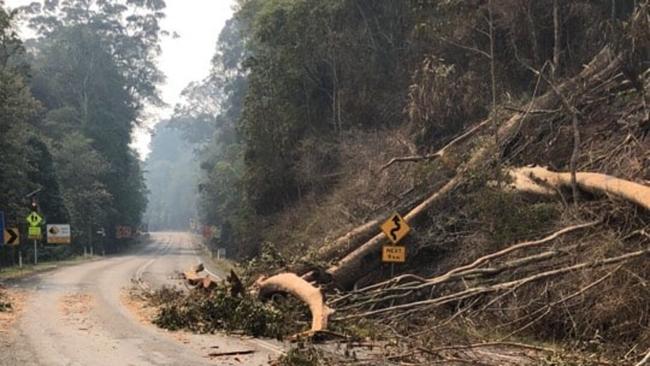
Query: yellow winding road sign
{"points": [[395, 228]]}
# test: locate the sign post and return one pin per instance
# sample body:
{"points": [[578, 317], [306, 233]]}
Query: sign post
{"points": [[395, 229], [34, 231]]}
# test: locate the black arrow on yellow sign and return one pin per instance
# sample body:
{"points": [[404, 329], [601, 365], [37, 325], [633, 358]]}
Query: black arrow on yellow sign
{"points": [[11, 236]]}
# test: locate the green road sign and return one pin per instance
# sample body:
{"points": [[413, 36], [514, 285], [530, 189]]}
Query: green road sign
{"points": [[34, 232], [34, 219]]}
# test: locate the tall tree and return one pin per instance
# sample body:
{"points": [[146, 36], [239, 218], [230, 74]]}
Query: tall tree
{"points": [[94, 70]]}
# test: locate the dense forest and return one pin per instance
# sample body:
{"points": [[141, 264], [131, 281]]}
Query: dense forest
{"points": [[297, 87], [70, 99]]}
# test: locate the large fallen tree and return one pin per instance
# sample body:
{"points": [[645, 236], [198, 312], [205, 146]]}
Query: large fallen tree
{"points": [[540, 180], [290, 283], [366, 257]]}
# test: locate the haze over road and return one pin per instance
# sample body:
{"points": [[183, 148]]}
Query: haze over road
{"points": [[80, 315]]}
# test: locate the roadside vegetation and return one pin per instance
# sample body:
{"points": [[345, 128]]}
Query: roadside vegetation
{"points": [[511, 135], [480, 122], [71, 98], [217, 310]]}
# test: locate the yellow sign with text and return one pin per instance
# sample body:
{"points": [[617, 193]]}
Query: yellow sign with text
{"points": [[395, 228], [393, 254], [34, 233]]}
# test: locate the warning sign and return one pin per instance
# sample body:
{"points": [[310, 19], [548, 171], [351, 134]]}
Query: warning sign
{"points": [[395, 228], [58, 234], [123, 232], [393, 254], [11, 236], [34, 233]]}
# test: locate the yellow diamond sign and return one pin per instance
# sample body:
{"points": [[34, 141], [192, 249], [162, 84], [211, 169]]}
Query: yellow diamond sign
{"points": [[395, 228], [34, 219]]}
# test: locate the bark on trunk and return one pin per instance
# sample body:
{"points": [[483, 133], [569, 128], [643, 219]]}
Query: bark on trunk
{"points": [[291, 284], [543, 181]]}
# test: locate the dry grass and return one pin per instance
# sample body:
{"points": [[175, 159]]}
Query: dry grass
{"points": [[359, 194]]}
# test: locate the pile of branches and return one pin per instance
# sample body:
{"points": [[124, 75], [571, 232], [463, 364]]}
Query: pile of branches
{"points": [[217, 308]]}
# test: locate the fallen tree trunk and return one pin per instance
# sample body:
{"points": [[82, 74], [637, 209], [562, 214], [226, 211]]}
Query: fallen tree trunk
{"points": [[359, 233], [345, 244], [543, 181], [342, 245], [374, 292], [366, 257], [291, 284]]}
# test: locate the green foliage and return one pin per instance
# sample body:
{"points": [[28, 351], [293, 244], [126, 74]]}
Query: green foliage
{"points": [[290, 77], [19, 114], [217, 310], [267, 259], [68, 107], [316, 69], [85, 76]]}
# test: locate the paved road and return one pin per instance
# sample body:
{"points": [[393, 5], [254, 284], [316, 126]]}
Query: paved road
{"points": [[80, 316]]}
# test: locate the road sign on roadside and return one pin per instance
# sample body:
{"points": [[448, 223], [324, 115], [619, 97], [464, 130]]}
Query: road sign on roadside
{"points": [[34, 232], [123, 232], [11, 236], [393, 254], [34, 219], [58, 234], [395, 228]]}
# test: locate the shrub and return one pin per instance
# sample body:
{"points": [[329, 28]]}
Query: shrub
{"points": [[217, 310]]}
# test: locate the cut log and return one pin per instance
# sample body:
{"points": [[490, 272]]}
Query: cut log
{"points": [[290, 283], [197, 281], [543, 181], [366, 257], [361, 233]]}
